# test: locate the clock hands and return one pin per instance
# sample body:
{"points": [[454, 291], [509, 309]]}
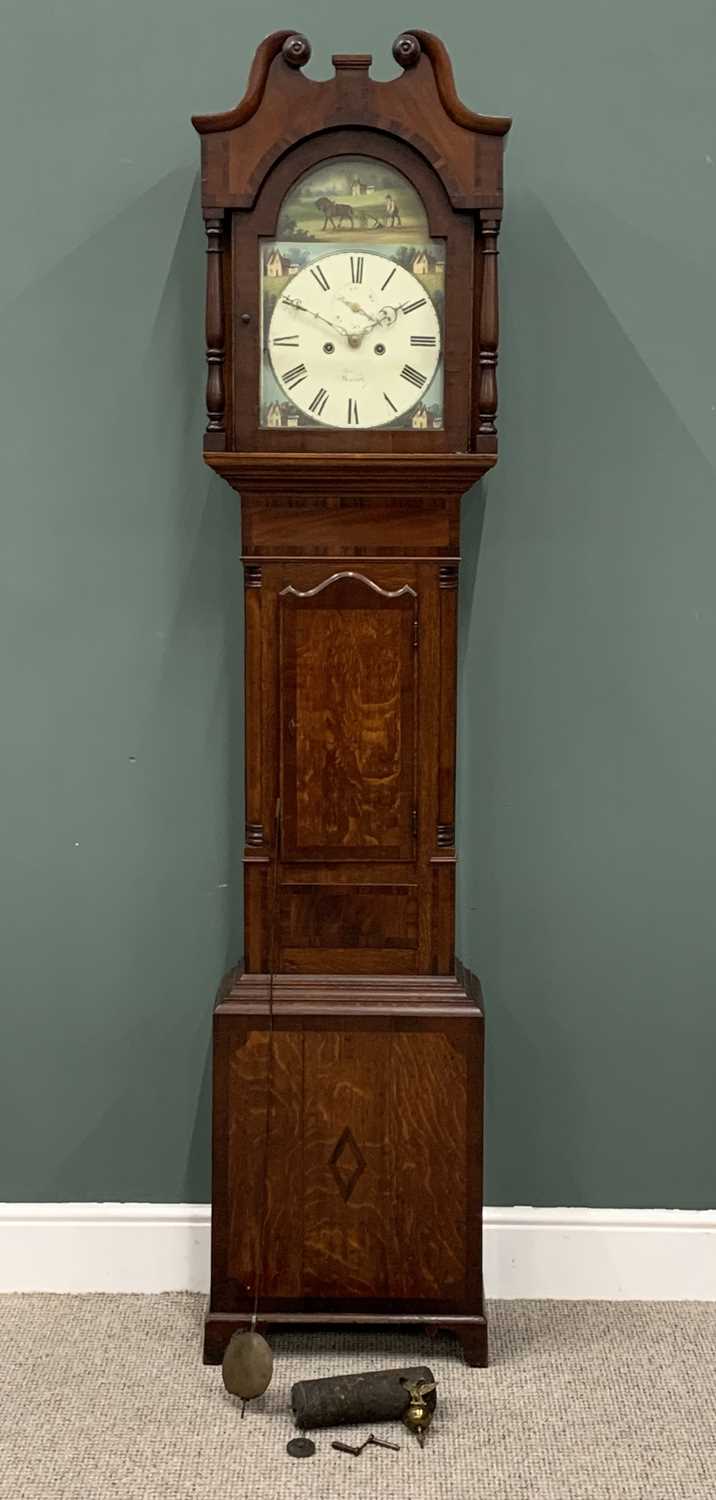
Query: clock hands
{"points": [[385, 319], [356, 307], [300, 307]]}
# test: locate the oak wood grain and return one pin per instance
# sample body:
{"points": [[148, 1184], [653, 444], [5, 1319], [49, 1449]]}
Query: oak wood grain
{"points": [[348, 689], [428, 1115], [256, 1189], [373, 1125], [346, 1088]]}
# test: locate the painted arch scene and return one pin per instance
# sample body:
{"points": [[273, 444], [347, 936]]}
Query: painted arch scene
{"points": [[353, 195]]}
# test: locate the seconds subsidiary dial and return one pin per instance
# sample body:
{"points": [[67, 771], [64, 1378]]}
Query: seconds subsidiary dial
{"points": [[354, 340]]}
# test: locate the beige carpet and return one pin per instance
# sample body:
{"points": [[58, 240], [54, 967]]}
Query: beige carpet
{"points": [[106, 1396]]}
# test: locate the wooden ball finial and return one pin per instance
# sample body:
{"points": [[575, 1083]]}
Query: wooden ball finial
{"points": [[406, 49], [296, 50]]}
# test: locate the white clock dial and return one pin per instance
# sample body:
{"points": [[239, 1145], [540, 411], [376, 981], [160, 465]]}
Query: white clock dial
{"points": [[354, 340]]}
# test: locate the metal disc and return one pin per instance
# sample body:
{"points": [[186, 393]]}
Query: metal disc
{"points": [[301, 1448]]}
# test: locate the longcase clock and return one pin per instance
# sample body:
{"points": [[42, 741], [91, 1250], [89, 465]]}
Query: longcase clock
{"points": [[351, 324]]}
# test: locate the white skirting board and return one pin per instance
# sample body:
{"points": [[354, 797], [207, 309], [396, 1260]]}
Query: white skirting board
{"points": [[564, 1253]]}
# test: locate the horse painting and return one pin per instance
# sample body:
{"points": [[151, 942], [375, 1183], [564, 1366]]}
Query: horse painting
{"points": [[334, 213]]}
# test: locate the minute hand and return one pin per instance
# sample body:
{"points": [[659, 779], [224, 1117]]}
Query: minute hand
{"points": [[291, 302]]}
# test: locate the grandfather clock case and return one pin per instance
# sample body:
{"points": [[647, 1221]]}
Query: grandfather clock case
{"points": [[351, 417]]}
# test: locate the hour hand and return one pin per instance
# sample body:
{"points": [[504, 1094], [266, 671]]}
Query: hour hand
{"points": [[356, 307], [386, 316]]}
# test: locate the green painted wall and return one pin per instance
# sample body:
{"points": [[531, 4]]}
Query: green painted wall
{"points": [[589, 691]]}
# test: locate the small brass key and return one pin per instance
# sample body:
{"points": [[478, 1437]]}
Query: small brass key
{"points": [[370, 1441]]}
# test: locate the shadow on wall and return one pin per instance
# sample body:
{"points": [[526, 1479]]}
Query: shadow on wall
{"points": [[586, 780], [123, 683]]}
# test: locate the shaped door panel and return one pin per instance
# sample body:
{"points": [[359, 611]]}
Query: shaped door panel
{"points": [[347, 686]]}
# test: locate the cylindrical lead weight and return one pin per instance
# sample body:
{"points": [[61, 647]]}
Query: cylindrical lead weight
{"points": [[376, 1396]]}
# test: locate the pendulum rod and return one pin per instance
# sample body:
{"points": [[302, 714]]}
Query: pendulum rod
{"points": [[258, 1269]]}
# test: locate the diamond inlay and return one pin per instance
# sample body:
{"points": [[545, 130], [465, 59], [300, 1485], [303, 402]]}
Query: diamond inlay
{"points": [[347, 1163]]}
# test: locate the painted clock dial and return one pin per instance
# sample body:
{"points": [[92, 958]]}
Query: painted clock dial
{"points": [[354, 340], [352, 292]]}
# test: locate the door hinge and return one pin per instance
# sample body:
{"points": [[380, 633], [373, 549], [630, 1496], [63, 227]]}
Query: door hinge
{"points": [[415, 631], [414, 822]]}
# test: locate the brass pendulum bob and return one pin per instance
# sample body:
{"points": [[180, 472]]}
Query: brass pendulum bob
{"points": [[418, 1414], [247, 1366]]}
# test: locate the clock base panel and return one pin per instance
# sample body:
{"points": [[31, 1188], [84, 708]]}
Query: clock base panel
{"points": [[363, 1203]]}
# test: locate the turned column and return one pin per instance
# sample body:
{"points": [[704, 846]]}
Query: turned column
{"points": [[489, 328], [214, 325]]}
